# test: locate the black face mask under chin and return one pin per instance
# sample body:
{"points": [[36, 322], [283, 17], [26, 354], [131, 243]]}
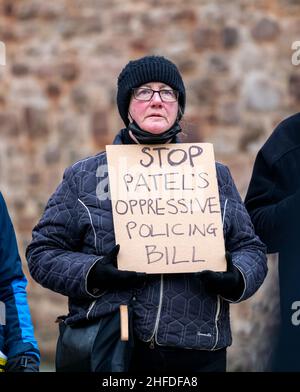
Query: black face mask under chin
{"points": [[145, 137]]}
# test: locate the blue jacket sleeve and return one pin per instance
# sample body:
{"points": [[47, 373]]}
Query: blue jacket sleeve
{"points": [[248, 252], [17, 332], [55, 258]]}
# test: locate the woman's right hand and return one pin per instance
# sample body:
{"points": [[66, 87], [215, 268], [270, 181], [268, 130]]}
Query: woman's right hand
{"points": [[105, 275]]}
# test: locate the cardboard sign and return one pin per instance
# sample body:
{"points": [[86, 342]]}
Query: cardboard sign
{"points": [[166, 207]]}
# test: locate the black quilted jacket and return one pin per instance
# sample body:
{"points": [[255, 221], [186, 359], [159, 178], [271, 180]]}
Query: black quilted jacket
{"points": [[76, 229]]}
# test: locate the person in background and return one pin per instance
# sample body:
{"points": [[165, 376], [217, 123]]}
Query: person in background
{"points": [[273, 202], [180, 321], [18, 347]]}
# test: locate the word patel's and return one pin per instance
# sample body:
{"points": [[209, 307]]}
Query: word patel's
{"points": [[170, 255]]}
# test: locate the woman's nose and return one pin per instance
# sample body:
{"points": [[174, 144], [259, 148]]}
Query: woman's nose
{"points": [[156, 98]]}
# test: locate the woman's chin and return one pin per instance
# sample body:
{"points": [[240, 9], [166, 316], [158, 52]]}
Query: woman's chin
{"points": [[156, 129]]}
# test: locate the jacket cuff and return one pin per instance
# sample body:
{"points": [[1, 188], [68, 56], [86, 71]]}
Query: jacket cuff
{"points": [[33, 354], [244, 290]]}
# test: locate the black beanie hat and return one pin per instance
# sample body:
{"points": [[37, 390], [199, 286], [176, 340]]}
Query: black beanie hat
{"points": [[144, 70]]}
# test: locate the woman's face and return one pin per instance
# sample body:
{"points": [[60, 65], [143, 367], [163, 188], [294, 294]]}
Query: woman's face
{"points": [[155, 116]]}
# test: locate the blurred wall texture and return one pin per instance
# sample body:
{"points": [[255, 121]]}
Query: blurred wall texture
{"points": [[57, 105]]}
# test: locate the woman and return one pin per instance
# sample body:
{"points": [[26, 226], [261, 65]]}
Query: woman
{"points": [[73, 249]]}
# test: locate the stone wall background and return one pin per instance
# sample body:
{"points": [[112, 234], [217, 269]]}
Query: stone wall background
{"points": [[57, 105]]}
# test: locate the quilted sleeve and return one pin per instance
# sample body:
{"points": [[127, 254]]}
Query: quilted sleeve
{"points": [[248, 252], [54, 255]]}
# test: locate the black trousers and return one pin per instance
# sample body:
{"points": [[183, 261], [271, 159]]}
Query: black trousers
{"points": [[172, 359]]}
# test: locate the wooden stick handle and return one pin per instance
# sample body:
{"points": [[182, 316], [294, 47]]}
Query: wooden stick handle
{"points": [[124, 322]]}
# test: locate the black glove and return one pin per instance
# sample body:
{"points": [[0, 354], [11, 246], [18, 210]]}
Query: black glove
{"points": [[105, 274], [229, 284], [22, 363]]}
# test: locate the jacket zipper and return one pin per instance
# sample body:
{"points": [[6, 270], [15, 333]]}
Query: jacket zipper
{"points": [[218, 297], [90, 308], [216, 321], [154, 334]]}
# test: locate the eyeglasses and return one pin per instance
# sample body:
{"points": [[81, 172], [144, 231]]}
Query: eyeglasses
{"points": [[146, 94]]}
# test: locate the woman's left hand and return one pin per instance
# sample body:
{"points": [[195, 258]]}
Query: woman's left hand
{"points": [[228, 284]]}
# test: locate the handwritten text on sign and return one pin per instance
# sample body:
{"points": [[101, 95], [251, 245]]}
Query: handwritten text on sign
{"points": [[166, 207]]}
